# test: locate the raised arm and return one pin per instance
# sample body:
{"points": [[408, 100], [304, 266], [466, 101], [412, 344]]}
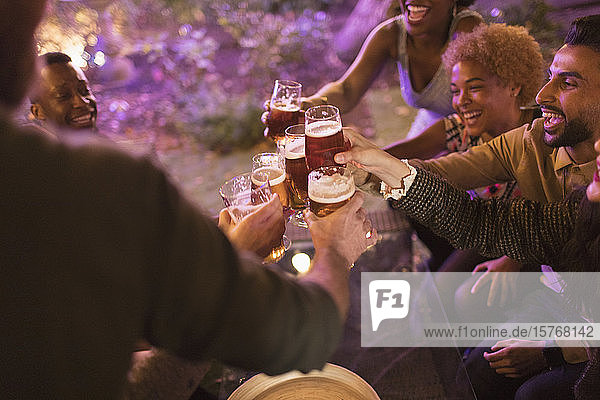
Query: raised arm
{"points": [[346, 92], [521, 229], [524, 230], [208, 301], [426, 145]]}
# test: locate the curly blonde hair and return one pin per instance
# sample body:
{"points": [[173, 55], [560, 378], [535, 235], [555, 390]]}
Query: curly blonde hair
{"points": [[509, 52]]}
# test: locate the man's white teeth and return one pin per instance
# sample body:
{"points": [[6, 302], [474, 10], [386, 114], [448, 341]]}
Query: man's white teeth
{"points": [[552, 118], [472, 114], [547, 114], [83, 118]]}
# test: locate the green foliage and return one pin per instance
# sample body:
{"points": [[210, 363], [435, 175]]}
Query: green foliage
{"points": [[274, 44], [193, 67], [534, 15], [235, 125]]}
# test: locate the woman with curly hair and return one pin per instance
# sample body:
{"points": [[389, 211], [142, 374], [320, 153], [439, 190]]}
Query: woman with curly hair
{"points": [[415, 40], [496, 71]]}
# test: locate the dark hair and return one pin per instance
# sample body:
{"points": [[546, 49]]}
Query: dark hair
{"points": [[464, 3], [585, 31], [581, 253], [55, 58]]}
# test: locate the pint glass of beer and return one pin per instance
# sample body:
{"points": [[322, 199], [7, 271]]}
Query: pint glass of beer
{"points": [[284, 108], [296, 172], [324, 136], [241, 198], [329, 188], [270, 167]]}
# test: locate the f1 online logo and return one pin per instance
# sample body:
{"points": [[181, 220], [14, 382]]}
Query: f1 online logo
{"points": [[389, 299]]}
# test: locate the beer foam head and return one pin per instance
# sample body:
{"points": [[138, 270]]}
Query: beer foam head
{"points": [[239, 211], [331, 188], [241, 205], [295, 150], [273, 175], [323, 128], [291, 106]]}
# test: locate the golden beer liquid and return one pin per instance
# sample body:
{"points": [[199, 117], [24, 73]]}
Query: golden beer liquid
{"points": [[324, 209], [296, 174], [276, 178], [276, 254]]}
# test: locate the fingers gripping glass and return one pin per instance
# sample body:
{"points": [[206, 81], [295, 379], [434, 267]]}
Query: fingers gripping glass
{"points": [[241, 198], [330, 188]]}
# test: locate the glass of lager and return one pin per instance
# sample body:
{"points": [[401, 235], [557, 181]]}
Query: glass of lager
{"points": [[329, 188], [270, 167], [296, 172], [241, 198], [324, 136], [284, 108]]}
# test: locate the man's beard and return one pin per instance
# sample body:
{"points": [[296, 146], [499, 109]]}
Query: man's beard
{"points": [[576, 131]]}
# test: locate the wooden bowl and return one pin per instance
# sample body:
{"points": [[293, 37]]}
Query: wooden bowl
{"points": [[332, 383]]}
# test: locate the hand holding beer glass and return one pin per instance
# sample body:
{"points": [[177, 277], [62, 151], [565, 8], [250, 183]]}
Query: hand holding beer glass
{"points": [[331, 188], [284, 108], [241, 199], [324, 136], [258, 232]]}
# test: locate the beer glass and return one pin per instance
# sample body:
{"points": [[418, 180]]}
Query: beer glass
{"points": [[324, 136], [270, 167], [296, 172], [329, 188], [284, 108], [241, 198]]}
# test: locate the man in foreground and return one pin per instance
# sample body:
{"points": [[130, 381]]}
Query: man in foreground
{"points": [[99, 249]]}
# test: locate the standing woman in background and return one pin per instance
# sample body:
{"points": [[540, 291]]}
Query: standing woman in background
{"points": [[415, 40]]}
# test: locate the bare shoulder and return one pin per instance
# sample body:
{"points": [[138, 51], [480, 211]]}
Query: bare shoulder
{"points": [[386, 34], [387, 30]]}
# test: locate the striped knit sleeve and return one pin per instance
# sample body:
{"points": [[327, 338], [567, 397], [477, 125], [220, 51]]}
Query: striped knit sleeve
{"points": [[524, 230]]}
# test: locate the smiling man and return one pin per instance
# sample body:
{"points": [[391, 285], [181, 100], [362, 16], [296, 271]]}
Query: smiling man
{"points": [[63, 96], [99, 249], [569, 102], [554, 154], [548, 159]]}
